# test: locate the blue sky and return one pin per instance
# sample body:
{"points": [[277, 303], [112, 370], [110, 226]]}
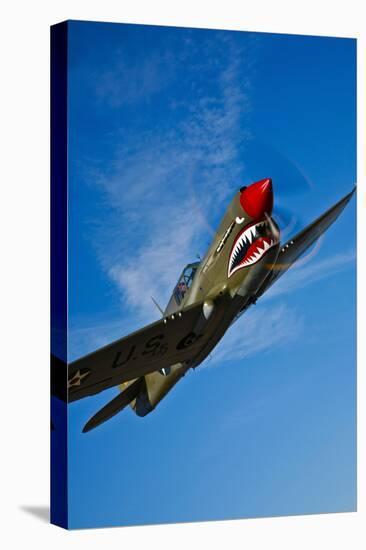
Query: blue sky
{"points": [[164, 125]]}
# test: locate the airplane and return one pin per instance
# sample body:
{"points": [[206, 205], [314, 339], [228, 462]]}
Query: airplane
{"points": [[243, 261]]}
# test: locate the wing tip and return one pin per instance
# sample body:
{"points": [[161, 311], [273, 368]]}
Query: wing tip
{"points": [[352, 192], [88, 427], [339, 206]]}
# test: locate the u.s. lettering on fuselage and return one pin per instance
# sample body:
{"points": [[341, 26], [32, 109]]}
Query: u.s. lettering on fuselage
{"points": [[155, 347]]}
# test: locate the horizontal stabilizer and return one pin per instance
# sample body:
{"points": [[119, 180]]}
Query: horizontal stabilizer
{"points": [[115, 406]]}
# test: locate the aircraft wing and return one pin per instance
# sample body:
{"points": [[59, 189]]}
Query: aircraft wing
{"points": [[295, 247], [156, 346]]}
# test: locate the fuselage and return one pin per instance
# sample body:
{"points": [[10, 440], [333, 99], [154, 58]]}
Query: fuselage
{"points": [[234, 267]]}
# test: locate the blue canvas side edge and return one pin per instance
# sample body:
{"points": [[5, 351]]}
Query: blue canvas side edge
{"points": [[59, 475]]}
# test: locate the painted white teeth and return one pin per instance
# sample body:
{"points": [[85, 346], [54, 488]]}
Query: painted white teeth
{"points": [[246, 239]]}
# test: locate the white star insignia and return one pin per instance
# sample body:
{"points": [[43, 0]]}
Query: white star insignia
{"points": [[77, 378]]}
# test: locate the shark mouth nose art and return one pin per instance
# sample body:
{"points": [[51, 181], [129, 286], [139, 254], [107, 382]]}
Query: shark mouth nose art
{"points": [[250, 246]]}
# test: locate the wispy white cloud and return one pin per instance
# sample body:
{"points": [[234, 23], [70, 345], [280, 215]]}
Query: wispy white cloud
{"points": [[126, 82], [261, 329], [155, 266], [167, 186], [309, 272]]}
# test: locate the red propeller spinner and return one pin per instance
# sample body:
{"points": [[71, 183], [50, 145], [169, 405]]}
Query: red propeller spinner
{"points": [[257, 199]]}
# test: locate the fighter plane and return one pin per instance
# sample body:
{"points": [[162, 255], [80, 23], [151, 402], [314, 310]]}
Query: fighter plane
{"points": [[243, 261]]}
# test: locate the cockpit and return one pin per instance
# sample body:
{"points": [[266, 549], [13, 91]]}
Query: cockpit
{"points": [[185, 282], [181, 288]]}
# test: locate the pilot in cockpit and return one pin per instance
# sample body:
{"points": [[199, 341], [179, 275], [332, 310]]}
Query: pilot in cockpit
{"points": [[182, 288]]}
